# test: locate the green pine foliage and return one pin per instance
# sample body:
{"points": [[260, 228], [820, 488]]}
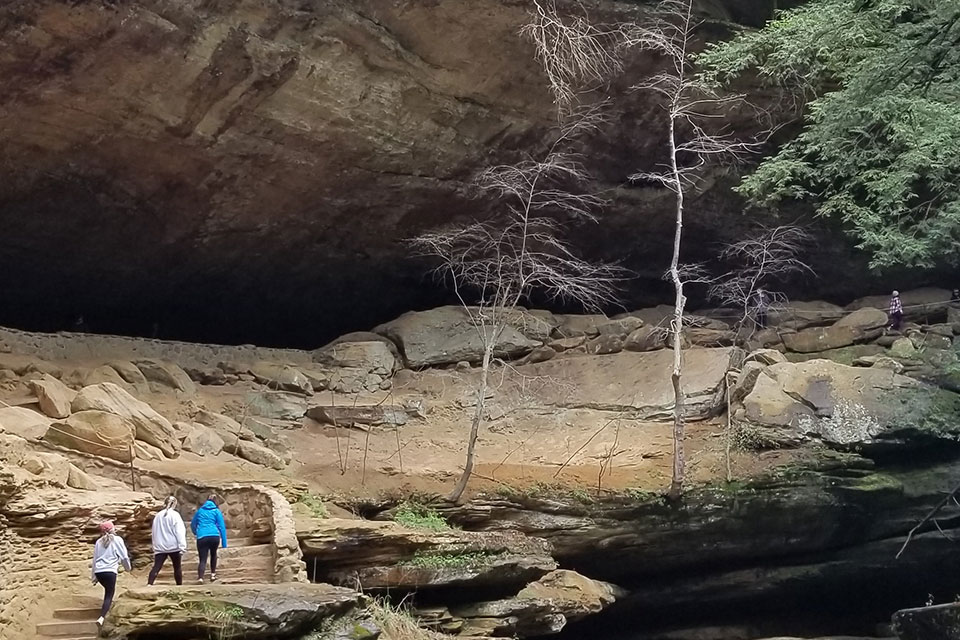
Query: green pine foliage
{"points": [[878, 88]]}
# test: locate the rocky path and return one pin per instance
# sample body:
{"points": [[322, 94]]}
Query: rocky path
{"points": [[246, 560], [77, 620]]}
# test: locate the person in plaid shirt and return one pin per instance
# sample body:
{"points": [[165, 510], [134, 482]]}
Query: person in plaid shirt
{"points": [[895, 311]]}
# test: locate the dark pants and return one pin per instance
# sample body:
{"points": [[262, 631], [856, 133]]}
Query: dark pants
{"points": [[896, 320], [109, 583], [207, 545], [159, 559]]}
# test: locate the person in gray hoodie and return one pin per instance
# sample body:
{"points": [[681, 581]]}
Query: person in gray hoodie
{"points": [[109, 552], [211, 532], [169, 541]]}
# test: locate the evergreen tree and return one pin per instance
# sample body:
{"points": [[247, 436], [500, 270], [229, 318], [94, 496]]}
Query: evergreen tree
{"points": [[876, 84]]}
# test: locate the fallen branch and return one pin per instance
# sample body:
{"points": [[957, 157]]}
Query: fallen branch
{"points": [[933, 512]]}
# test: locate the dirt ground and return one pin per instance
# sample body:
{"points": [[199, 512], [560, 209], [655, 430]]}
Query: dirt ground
{"points": [[522, 443]]}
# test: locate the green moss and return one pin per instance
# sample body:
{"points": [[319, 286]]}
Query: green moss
{"points": [[315, 505], [448, 560], [419, 516], [548, 491]]}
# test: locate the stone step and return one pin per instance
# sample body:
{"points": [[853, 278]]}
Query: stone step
{"points": [[68, 629], [222, 578], [243, 541], [77, 613]]}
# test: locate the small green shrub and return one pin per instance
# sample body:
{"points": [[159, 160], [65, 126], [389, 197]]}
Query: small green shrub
{"points": [[419, 516], [316, 506]]}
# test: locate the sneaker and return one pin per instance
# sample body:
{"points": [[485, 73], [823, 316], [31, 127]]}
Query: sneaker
{"points": [[213, 577], [199, 580]]}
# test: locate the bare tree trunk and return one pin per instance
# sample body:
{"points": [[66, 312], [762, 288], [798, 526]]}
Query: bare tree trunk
{"points": [[474, 426], [676, 325]]}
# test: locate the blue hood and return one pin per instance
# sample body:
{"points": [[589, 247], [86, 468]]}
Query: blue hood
{"points": [[208, 521]]}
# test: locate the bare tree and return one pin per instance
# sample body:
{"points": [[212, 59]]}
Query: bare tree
{"points": [[692, 142], [770, 255], [522, 247]]}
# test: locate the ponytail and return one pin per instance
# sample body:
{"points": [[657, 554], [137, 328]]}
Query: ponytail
{"points": [[171, 503], [107, 538]]}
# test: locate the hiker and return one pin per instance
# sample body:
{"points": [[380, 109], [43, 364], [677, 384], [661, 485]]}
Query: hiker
{"points": [[763, 303], [169, 541], [211, 532], [895, 311], [109, 553]]}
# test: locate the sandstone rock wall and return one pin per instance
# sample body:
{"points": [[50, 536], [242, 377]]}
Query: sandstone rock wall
{"points": [[85, 347]]}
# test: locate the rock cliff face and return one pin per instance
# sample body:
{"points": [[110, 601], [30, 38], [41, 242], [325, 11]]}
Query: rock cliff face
{"points": [[182, 163]]}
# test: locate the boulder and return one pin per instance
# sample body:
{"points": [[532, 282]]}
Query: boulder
{"points": [[95, 432], [77, 479], [881, 362], [277, 406], [53, 396], [635, 382], [250, 612], [903, 348], [564, 344], [765, 356], [621, 327], [255, 453], [542, 607], [225, 426], [372, 415], [23, 422], [661, 315], [203, 441], [942, 329], [817, 339], [281, 377], [145, 451], [353, 380], [577, 325], [129, 372], [371, 356], [839, 404], [646, 339], [150, 426], [803, 314], [388, 555], [539, 354], [535, 324], [166, 375], [939, 622], [865, 318], [49, 466], [604, 343], [953, 317], [446, 335], [705, 337], [932, 341], [84, 377], [22, 365]]}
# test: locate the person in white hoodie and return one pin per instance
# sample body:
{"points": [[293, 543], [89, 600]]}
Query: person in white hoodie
{"points": [[169, 541], [109, 553]]}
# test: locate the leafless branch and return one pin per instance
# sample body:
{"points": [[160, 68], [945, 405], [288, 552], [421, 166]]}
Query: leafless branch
{"points": [[771, 254], [496, 263], [574, 53]]}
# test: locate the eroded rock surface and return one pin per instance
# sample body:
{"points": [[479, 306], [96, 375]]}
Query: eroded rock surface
{"points": [[229, 612]]}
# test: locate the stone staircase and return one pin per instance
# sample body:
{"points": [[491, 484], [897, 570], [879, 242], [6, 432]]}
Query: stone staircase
{"points": [[75, 622], [247, 560]]}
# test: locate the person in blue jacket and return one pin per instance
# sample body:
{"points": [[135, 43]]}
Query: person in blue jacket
{"points": [[210, 531]]}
